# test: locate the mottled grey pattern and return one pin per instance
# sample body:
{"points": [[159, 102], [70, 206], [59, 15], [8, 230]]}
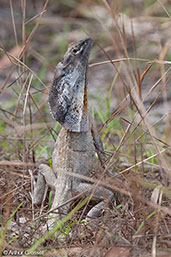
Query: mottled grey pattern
{"points": [[66, 96]]}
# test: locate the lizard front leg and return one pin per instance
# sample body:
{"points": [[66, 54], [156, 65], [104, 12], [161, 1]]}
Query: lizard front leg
{"points": [[45, 176], [97, 141]]}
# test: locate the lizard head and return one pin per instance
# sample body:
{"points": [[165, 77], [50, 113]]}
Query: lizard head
{"points": [[68, 93]]}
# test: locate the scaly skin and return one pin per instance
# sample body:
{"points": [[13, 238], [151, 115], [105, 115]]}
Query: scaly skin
{"points": [[78, 141]]}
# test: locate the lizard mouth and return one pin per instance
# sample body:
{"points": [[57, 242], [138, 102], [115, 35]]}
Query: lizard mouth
{"points": [[86, 46]]}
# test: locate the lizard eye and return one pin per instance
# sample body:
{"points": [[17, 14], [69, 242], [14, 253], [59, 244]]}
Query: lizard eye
{"points": [[77, 50]]}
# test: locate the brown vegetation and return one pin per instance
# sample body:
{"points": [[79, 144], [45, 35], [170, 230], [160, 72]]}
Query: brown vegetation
{"points": [[129, 96]]}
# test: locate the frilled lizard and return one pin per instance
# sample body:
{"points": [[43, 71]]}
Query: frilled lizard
{"points": [[78, 141]]}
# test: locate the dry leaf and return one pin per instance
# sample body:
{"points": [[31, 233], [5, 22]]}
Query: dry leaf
{"points": [[118, 252]]}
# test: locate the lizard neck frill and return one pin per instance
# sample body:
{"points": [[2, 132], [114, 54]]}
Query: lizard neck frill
{"points": [[85, 104], [68, 94]]}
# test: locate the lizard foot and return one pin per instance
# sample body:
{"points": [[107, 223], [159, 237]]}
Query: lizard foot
{"points": [[46, 176], [96, 211]]}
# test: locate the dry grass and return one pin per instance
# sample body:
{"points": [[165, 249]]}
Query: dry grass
{"points": [[135, 82]]}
